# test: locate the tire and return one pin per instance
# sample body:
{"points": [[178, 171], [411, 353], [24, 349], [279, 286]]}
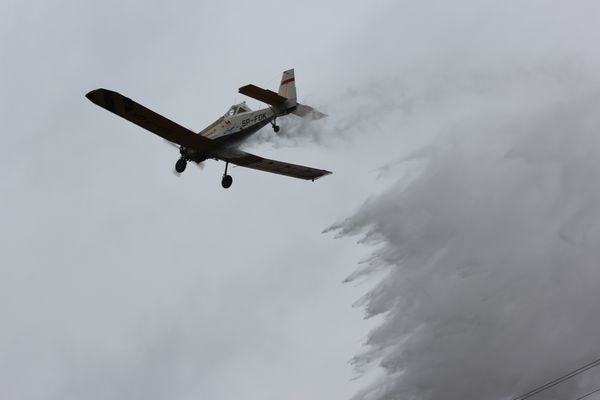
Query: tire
{"points": [[227, 181], [180, 165], [276, 128]]}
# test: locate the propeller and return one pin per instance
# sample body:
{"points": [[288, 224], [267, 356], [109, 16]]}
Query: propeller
{"points": [[171, 143], [200, 166], [178, 174]]}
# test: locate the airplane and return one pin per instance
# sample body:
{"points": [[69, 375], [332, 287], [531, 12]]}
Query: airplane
{"points": [[221, 139]]}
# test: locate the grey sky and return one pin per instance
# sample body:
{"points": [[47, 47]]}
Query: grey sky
{"points": [[119, 280]]}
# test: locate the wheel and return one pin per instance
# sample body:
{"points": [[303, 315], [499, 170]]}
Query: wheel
{"points": [[180, 165], [276, 128], [226, 181]]}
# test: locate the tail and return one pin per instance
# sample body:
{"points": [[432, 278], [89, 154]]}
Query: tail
{"points": [[287, 89]]}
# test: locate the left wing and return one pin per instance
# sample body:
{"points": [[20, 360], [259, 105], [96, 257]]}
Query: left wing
{"points": [[247, 160], [138, 114]]}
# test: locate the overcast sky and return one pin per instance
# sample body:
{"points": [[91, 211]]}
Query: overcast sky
{"points": [[462, 137]]}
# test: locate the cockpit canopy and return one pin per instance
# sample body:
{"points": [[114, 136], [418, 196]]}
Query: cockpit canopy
{"points": [[237, 109]]}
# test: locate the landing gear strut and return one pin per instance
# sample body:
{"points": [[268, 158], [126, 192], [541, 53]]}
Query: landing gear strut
{"points": [[180, 165], [227, 179]]}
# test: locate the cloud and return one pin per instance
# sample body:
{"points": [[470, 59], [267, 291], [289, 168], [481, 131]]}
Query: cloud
{"points": [[490, 251]]}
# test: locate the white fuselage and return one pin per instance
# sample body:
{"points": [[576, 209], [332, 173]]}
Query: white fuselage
{"points": [[234, 127], [239, 125]]}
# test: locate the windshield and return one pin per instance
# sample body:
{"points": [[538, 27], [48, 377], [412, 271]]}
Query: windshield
{"points": [[237, 109]]}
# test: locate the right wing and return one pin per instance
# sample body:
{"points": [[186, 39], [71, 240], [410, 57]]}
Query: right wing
{"points": [[264, 95], [130, 110], [247, 160]]}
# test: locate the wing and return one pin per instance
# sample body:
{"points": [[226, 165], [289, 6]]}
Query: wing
{"points": [[264, 95], [247, 160], [148, 119]]}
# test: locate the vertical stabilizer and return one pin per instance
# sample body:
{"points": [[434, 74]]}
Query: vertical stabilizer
{"points": [[287, 88]]}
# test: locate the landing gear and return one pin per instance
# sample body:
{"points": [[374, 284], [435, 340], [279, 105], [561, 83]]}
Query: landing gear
{"points": [[275, 126], [227, 179], [180, 165]]}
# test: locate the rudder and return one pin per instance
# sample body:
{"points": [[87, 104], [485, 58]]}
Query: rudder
{"points": [[287, 88]]}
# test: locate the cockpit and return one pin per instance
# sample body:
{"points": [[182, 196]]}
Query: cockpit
{"points": [[237, 109]]}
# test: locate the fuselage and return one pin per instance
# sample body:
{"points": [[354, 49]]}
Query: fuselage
{"points": [[238, 123], [234, 127]]}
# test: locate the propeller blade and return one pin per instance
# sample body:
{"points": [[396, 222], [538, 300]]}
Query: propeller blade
{"points": [[171, 143]]}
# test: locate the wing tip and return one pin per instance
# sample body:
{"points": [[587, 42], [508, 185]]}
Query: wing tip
{"points": [[92, 95], [323, 173], [97, 95]]}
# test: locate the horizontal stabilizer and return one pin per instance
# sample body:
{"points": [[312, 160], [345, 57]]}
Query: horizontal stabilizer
{"points": [[308, 112], [264, 95]]}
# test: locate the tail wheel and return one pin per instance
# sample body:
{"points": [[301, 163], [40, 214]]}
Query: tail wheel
{"points": [[227, 181], [180, 165], [274, 124]]}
